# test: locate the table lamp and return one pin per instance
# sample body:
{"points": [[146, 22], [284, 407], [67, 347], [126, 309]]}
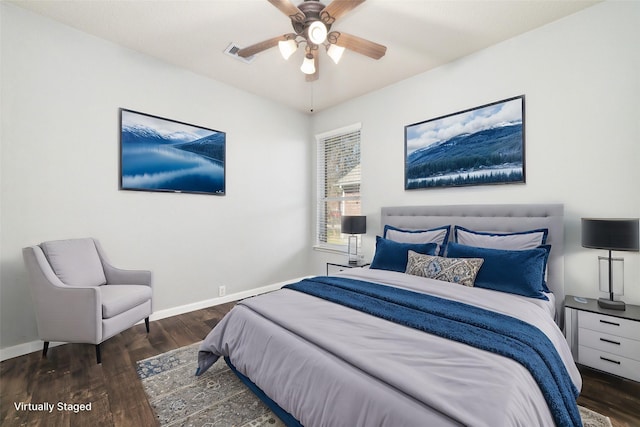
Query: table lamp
{"points": [[612, 234], [353, 225]]}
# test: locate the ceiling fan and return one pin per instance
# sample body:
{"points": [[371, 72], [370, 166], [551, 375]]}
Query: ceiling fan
{"points": [[312, 21]]}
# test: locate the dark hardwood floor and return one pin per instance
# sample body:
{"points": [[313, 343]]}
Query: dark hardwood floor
{"points": [[70, 375], [615, 397]]}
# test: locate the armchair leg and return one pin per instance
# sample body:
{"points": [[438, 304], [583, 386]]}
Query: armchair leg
{"points": [[98, 359], [146, 323], [45, 349]]}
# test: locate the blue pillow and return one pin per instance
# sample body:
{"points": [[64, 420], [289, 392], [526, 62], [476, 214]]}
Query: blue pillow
{"points": [[547, 248], [516, 272], [393, 256], [439, 235]]}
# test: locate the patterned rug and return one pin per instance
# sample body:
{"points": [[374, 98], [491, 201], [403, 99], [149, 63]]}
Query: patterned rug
{"points": [[218, 397]]}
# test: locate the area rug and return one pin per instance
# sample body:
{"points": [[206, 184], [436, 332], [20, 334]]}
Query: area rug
{"points": [[218, 397]]}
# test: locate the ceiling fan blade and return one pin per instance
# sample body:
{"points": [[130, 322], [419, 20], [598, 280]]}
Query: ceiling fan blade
{"points": [[316, 75], [259, 47], [289, 9], [337, 9], [360, 45]]}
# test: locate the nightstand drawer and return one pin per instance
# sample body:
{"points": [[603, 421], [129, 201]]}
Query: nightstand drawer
{"points": [[609, 343], [335, 269], [610, 325], [608, 362]]}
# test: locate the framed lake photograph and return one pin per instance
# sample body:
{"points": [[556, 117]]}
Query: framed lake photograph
{"points": [[158, 154], [482, 145]]}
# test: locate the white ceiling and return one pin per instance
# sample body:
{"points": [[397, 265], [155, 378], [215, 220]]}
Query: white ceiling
{"points": [[419, 34]]}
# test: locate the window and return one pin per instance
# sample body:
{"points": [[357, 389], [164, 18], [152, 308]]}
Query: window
{"points": [[338, 183]]}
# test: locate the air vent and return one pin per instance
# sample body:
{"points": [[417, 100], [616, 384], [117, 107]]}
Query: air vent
{"points": [[232, 50]]}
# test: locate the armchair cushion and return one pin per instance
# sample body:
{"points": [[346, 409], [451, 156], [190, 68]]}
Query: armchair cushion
{"points": [[75, 261], [117, 299]]}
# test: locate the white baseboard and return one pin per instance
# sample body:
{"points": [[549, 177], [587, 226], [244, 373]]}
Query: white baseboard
{"points": [[22, 349], [163, 314], [30, 347]]}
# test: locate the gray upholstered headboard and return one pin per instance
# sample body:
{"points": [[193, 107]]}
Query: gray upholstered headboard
{"points": [[499, 218]]}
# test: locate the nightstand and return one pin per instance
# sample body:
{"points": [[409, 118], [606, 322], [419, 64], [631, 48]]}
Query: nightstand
{"points": [[333, 268], [608, 340]]}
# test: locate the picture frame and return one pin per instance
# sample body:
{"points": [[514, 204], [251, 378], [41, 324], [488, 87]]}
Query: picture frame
{"points": [[479, 146], [164, 155]]}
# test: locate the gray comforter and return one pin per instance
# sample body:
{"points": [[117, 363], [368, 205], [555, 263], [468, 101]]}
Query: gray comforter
{"points": [[329, 365]]}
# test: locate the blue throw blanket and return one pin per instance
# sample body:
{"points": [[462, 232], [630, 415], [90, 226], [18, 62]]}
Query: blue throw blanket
{"points": [[483, 329]]}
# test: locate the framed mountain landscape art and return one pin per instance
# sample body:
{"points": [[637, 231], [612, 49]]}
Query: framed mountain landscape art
{"points": [[158, 154], [482, 145]]}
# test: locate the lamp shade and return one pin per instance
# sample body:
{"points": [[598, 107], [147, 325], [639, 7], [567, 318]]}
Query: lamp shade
{"points": [[354, 224], [616, 234], [287, 47], [335, 52], [308, 66]]}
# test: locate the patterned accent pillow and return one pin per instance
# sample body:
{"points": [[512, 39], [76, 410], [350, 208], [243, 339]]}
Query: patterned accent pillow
{"points": [[455, 270]]}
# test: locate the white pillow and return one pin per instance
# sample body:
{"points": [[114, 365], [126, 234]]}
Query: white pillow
{"points": [[510, 241], [438, 236], [433, 236]]}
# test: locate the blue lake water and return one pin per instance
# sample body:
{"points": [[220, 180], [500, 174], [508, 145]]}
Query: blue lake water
{"points": [[162, 167]]}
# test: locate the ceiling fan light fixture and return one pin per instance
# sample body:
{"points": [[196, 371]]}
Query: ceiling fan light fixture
{"points": [[335, 52], [287, 47], [308, 66], [311, 21], [317, 32]]}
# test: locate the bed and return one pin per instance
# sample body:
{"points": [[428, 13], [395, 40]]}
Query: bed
{"points": [[382, 347]]}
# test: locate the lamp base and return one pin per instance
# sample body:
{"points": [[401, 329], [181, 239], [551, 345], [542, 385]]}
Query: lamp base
{"points": [[611, 305], [353, 249]]}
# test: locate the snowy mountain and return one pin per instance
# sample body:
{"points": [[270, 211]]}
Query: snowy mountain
{"points": [[484, 149], [212, 146], [140, 134]]}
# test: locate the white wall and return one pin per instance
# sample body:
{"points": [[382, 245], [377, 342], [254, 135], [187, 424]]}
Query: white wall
{"points": [[581, 79], [61, 90]]}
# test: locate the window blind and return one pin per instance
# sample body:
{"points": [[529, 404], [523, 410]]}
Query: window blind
{"points": [[338, 183]]}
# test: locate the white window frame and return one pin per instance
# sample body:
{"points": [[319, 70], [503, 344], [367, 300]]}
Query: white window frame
{"points": [[321, 225]]}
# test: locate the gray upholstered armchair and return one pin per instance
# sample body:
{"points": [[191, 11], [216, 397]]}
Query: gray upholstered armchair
{"points": [[79, 297]]}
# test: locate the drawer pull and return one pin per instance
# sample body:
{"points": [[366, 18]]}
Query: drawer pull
{"points": [[609, 323], [609, 341], [609, 360]]}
